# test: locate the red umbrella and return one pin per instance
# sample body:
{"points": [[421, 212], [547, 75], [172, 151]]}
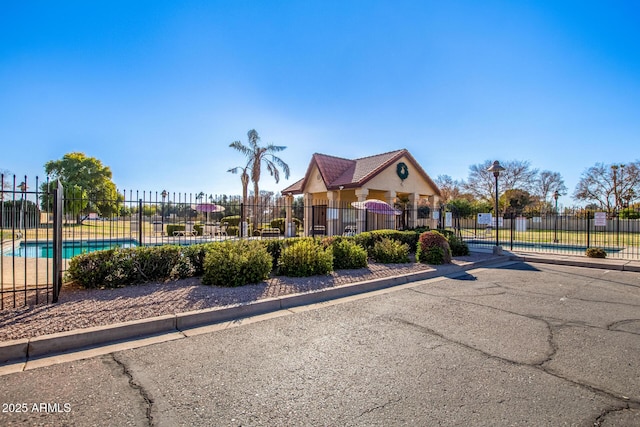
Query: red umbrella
{"points": [[376, 206]]}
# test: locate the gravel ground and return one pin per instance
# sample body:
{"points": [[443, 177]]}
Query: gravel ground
{"points": [[83, 308]]}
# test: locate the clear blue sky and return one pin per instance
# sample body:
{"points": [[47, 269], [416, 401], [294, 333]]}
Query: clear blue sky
{"points": [[158, 89]]}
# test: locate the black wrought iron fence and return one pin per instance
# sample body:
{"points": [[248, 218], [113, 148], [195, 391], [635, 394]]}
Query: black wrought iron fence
{"points": [[39, 235], [570, 233], [26, 233]]}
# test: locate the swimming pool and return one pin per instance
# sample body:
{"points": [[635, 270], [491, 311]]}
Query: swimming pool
{"points": [[69, 248], [544, 247]]}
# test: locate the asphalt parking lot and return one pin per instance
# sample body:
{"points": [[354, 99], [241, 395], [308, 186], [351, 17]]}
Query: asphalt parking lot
{"points": [[515, 344]]}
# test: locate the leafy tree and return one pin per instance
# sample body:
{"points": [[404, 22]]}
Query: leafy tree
{"points": [[517, 174], [516, 200], [87, 185], [256, 156], [461, 207], [609, 186]]}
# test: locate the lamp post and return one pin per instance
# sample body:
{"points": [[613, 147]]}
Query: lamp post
{"points": [[23, 189], [555, 225], [629, 197], [164, 196], [496, 169]]}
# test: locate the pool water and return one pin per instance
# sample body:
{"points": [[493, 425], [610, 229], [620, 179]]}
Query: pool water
{"points": [[549, 247], [69, 249]]}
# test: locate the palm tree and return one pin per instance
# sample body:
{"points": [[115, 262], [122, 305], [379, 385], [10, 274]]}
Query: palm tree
{"points": [[256, 155], [244, 177]]}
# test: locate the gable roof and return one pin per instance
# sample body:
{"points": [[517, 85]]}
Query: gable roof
{"points": [[338, 171]]}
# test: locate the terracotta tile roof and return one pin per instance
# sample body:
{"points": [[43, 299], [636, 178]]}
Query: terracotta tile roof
{"points": [[338, 171]]}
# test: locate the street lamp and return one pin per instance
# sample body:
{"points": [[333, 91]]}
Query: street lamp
{"points": [[164, 196], [496, 169], [555, 226], [629, 197], [23, 189]]}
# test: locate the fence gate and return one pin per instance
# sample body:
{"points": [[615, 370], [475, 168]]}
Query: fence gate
{"points": [[26, 235]]}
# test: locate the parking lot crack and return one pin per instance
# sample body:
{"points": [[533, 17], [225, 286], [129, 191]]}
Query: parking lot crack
{"points": [[538, 365], [602, 417], [378, 407], [138, 387]]}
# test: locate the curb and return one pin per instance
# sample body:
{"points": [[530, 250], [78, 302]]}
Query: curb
{"points": [[613, 264], [23, 350]]}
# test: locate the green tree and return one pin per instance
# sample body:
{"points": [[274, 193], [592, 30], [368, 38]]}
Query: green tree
{"points": [[515, 200], [256, 157], [87, 185], [461, 207]]}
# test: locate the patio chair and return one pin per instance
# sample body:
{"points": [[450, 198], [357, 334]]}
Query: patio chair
{"points": [[189, 230], [222, 230], [209, 230], [349, 230]]}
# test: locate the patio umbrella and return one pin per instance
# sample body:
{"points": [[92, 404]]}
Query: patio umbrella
{"points": [[209, 207], [376, 206]]}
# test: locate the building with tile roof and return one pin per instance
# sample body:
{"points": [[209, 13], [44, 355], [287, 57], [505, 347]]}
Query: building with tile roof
{"points": [[332, 183]]}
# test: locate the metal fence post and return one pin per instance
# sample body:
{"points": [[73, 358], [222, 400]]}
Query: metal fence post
{"points": [[588, 229], [241, 224], [140, 221], [57, 240]]}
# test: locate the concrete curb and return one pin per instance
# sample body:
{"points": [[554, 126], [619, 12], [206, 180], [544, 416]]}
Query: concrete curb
{"points": [[22, 350], [605, 264]]}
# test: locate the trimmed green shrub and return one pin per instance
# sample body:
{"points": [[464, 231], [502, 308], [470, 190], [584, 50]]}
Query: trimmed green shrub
{"points": [[434, 255], [154, 262], [420, 230], [596, 253], [111, 269], [115, 268], [236, 263], [433, 248], [458, 246], [233, 220], [305, 257], [368, 239], [282, 222], [195, 254], [389, 251], [347, 254], [175, 227]]}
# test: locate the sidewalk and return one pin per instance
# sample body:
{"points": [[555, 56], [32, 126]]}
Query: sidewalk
{"points": [[92, 318]]}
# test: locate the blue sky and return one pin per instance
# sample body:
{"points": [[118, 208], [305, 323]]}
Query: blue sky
{"points": [[157, 90]]}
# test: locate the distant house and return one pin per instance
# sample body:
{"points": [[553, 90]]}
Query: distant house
{"points": [[332, 183]]}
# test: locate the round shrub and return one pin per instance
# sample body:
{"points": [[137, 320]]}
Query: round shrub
{"points": [[305, 258], [389, 251], [458, 246], [237, 263], [102, 269], [596, 253], [347, 254], [433, 248]]}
